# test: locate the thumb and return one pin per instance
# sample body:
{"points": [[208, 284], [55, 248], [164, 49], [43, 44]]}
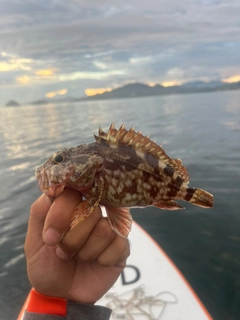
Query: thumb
{"points": [[38, 213]]}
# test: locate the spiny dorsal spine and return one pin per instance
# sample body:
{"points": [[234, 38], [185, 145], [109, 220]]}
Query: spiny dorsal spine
{"points": [[140, 143]]}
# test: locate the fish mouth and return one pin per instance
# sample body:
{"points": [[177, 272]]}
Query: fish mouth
{"points": [[54, 190], [47, 185]]}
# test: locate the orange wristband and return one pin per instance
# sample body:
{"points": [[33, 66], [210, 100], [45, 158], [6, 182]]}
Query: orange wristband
{"points": [[40, 303]]}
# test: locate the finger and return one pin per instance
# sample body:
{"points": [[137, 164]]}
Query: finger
{"points": [[100, 238], [116, 253], [38, 213], [74, 239], [58, 219]]}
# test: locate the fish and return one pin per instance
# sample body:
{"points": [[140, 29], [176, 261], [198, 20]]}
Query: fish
{"points": [[120, 170]]}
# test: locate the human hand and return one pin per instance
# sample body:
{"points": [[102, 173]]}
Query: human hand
{"points": [[84, 264]]}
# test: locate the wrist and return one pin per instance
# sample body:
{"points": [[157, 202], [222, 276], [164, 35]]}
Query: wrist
{"points": [[40, 303], [39, 306]]}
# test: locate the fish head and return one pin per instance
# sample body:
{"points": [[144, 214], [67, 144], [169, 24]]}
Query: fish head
{"points": [[68, 168]]}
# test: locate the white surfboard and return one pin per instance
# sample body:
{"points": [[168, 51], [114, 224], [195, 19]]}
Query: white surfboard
{"points": [[151, 286]]}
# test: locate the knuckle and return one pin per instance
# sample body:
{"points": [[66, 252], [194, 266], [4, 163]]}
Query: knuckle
{"points": [[82, 257], [123, 246], [104, 262], [127, 252], [123, 249], [102, 228]]}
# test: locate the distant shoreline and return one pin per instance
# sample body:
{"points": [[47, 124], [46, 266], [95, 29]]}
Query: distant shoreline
{"points": [[135, 90]]}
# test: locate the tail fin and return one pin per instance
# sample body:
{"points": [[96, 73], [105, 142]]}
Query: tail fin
{"points": [[199, 197]]}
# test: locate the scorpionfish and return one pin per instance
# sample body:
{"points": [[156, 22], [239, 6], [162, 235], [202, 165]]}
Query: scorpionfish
{"points": [[121, 169]]}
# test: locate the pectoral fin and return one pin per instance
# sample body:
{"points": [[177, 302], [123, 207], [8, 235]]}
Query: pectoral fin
{"points": [[120, 220], [83, 210], [168, 205], [86, 207]]}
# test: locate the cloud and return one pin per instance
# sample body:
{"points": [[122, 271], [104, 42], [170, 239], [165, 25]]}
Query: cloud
{"points": [[89, 75], [62, 91], [93, 91], [171, 83], [36, 76], [54, 94], [23, 79], [10, 62], [235, 78], [84, 30], [45, 72], [141, 60], [96, 44]]}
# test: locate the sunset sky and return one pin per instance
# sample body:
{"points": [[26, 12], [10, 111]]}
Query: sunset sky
{"points": [[57, 48]]}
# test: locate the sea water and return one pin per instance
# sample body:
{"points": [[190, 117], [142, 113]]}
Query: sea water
{"points": [[201, 129]]}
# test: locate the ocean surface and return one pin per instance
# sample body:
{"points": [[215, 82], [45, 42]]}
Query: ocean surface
{"points": [[201, 129]]}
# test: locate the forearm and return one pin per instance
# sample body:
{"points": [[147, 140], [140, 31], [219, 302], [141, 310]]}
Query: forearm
{"points": [[41, 307]]}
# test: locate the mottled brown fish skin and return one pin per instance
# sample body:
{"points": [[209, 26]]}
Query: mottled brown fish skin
{"points": [[133, 180], [121, 169]]}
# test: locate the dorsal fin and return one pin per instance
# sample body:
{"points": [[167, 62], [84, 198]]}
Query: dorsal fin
{"points": [[180, 169], [142, 144]]}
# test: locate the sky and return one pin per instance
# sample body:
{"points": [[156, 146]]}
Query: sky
{"points": [[54, 48]]}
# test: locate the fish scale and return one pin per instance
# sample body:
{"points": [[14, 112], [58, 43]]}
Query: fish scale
{"points": [[120, 170]]}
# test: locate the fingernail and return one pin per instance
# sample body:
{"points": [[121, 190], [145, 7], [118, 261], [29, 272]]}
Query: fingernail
{"points": [[52, 237], [61, 254]]}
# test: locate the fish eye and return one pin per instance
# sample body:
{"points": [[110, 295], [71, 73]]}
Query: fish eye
{"points": [[58, 158]]}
